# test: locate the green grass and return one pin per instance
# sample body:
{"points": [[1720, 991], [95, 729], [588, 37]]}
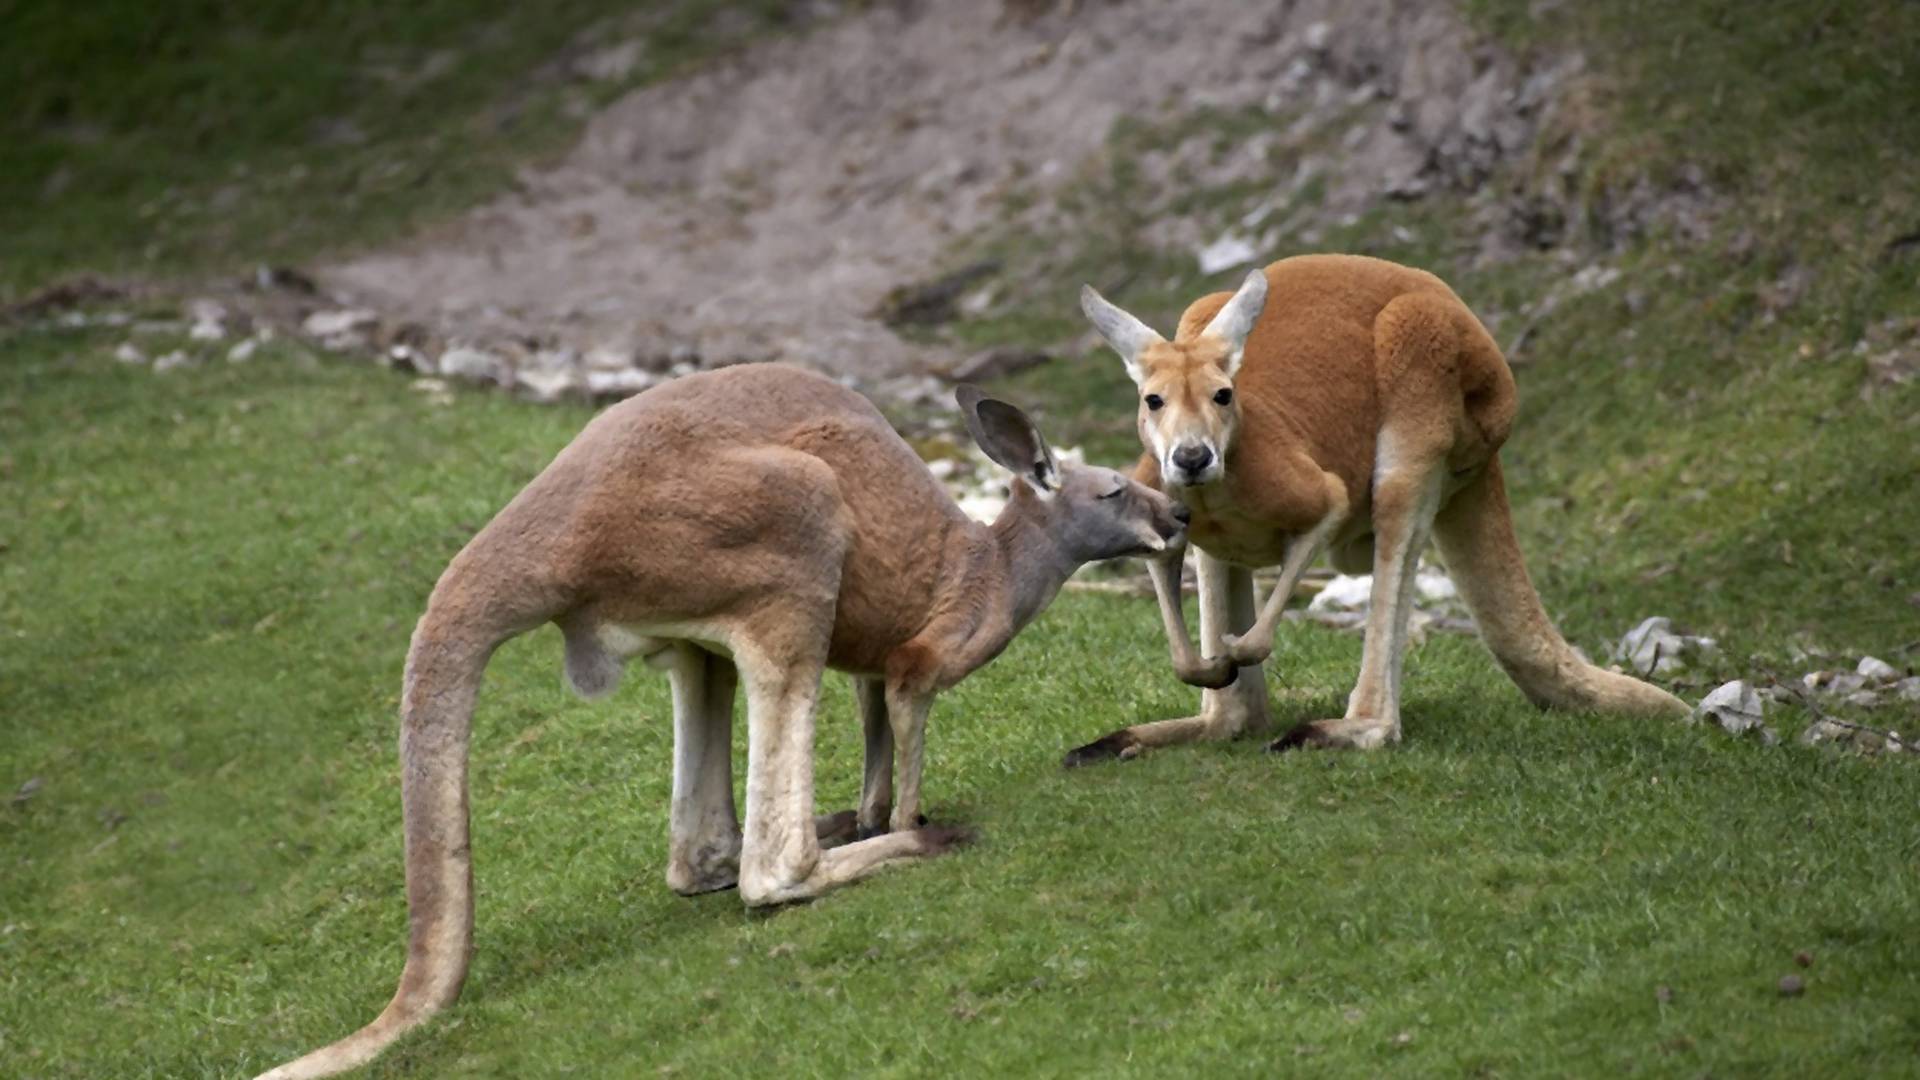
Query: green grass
{"points": [[208, 577], [201, 136], [208, 581]]}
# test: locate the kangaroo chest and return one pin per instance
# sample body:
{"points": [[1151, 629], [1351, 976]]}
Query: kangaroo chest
{"points": [[1233, 535]]}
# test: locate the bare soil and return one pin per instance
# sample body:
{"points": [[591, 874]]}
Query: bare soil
{"points": [[764, 208]]}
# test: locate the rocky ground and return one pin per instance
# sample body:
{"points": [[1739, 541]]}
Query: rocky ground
{"points": [[801, 201]]}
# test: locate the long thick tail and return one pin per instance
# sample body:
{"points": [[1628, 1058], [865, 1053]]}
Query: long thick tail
{"points": [[444, 666], [1475, 534]]}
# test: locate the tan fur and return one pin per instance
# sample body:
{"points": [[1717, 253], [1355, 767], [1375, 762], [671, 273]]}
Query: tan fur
{"points": [[1368, 408], [750, 526]]}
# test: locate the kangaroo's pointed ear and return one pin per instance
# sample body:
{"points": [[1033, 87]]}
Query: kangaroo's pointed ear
{"points": [[1129, 336], [1009, 438], [1235, 321]]}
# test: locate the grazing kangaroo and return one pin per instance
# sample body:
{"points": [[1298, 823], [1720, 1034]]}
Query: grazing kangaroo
{"points": [[1361, 408], [754, 525]]}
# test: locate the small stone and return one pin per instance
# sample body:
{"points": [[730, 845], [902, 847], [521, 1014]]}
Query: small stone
{"points": [[1655, 648], [329, 324], [1792, 986], [243, 351], [479, 365], [544, 386], [1229, 251], [28, 790], [1735, 707], [1865, 699], [1803, 958], [1844, 683], [178, 358], [1908, 688], [1404, 1038], [128, 354], [1877, 670], [619, 384], [1663, 994]]}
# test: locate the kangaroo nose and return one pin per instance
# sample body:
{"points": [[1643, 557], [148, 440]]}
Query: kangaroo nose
{"points": [[1182, 515], [1192, 458]]}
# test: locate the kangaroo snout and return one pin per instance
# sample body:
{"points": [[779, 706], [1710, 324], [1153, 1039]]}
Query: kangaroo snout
{"points": [[1193, 463]]}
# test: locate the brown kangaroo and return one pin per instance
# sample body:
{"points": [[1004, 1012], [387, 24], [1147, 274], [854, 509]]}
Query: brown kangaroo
{"points": [[754, 525], [1360, 409]]}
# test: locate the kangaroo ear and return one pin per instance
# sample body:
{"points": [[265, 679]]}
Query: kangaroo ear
{"points": [[1235, 321], [1009, 438], [1127, 335]]}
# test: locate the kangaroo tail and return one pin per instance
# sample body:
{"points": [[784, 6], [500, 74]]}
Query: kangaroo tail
{"points": [[1475, 534], [444, 666]]}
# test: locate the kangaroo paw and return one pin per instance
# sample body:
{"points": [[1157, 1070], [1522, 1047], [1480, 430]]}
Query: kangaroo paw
{"points": [[1119, 746]]}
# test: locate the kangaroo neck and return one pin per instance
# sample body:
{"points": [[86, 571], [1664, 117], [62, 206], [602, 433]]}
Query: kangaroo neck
{"points": [[1014, 569]]}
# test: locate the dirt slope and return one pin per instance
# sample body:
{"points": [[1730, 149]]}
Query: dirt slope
{"points": [[763, 208]]}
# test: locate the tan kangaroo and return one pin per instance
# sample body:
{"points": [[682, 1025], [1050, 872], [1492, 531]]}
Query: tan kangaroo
{"points": [[754, 525], [1360, 409]]}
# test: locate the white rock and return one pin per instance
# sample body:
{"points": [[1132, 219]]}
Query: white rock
{"points": [[982, 507], [1229, 251], [1877, 670], [1434, 586], [1864, 699], [407, 358], [1346, 592], [624, 383], [555, 359], [327, 324], [1844, 683], [1735, 707], [243, 351], [178, 358], [1908, 688], [608, 358], [1653, 648], [1595, 276], [430, 386], [128, 354], [544, 386], [463, 362]]}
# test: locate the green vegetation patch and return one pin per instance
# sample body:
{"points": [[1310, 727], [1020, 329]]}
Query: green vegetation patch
{"points": [[206, 586]]}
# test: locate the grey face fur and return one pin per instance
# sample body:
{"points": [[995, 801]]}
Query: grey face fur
{"points": [[1096, 513]]}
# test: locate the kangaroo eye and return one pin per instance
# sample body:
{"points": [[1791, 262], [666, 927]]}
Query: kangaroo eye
{"points": [[1115, 493], [1154, 401], [1224, 397]]}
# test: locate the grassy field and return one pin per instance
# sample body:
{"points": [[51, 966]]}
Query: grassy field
{"points": [[209, 577]]}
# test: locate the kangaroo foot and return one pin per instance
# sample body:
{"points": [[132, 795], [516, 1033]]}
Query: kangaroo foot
{"points": [[1347, 733], [1118, 746]]}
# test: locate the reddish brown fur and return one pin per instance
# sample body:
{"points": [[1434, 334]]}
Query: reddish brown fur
{"points": [[1347, 355]]}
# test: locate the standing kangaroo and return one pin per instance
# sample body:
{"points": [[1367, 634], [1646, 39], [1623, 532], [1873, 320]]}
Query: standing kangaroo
{"points": [[755, 524], [1359, 410]]}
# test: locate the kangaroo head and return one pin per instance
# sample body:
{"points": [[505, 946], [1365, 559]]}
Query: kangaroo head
{"points": [[1187, 413], [1093, 513]]}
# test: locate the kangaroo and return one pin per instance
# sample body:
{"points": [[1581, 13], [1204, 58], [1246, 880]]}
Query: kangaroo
{"points": [[751, 525], [1360, 411]]}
